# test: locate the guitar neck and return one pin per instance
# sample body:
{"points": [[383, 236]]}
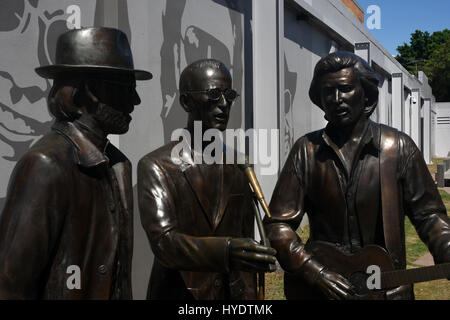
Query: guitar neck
{"points": [[391, 279]]}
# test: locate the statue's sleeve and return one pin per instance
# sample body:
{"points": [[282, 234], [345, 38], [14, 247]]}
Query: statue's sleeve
{"points": [[423, 203], [174, 249], [30, 224], [286, 207]]}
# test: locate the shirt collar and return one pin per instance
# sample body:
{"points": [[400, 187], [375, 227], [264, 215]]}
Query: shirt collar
{"points": [[371, 132], [90, 148]]}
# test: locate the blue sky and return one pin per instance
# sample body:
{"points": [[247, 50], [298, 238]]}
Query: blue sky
{"points": [[400, 18]]}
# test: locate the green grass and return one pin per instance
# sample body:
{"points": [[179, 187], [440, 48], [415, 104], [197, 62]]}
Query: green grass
{"points": [[415, 248], [437, 160], [446, 199], [433, 290], [274, 286], [274, 281]]}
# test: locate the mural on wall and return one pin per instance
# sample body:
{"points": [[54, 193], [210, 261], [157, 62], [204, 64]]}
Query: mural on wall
{"points": [[290, 88], [28, 33], [189, 36]]}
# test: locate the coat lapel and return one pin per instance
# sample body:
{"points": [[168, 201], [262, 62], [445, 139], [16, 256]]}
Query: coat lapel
{"points": [[211, 185], [228, 177], [122, 171], [194, 177]]}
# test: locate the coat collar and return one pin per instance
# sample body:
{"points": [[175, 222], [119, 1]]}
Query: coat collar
{"points": [[91, 151], [370, 135]]}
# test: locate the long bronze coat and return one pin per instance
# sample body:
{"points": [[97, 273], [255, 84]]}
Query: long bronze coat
{"points": [[189, 212], [345, 208], [61, 210]]}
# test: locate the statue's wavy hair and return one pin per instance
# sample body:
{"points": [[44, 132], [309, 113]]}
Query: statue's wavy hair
{"points": [[340, 60]]}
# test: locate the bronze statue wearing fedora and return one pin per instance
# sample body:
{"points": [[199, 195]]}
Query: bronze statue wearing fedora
{"points": [[199, 217], [66, 230]]}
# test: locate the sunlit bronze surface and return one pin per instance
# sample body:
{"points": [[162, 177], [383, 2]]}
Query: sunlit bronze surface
{"points": [[333, 175], [199, 218], [70, 201]]}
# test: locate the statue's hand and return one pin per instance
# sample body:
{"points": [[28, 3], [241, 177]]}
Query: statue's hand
{"points": [[247, 255], [334, 286]]}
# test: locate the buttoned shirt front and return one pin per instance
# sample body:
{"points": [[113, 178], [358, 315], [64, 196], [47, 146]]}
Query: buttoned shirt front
{"points": [[368, 147], [343, 207]]}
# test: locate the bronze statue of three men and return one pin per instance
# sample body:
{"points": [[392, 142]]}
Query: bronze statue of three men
{"points": [[70, 197]]}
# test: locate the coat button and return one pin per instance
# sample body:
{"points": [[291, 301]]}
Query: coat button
{"points": [[218, 283], [102, 269]]}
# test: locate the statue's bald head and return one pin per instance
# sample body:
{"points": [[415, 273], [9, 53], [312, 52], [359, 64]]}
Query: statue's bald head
{"points": [[204, 74]]}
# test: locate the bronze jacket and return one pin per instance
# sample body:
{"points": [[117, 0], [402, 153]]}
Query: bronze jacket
{"points": [[344, 208], [189, 213], [67, 204]]}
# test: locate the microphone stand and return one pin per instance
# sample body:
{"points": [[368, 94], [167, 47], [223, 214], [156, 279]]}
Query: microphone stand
{"points": [[265, 242], [258, 198]]}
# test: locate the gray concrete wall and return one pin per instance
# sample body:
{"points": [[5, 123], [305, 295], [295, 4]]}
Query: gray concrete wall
{"points": [[336, 21], [442, 133]]}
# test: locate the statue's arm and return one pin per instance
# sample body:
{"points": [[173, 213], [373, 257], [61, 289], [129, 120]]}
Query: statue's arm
{"points": [[423, 203], [286, 207], [174, 249], [29, 226]]}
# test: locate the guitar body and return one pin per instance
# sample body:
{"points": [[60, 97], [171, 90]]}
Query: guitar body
{"points": [[351, 266]]}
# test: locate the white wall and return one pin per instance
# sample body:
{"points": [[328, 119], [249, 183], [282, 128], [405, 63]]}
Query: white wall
{"points": [[442, 135]]}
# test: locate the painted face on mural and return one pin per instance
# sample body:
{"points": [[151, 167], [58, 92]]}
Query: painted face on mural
{"points": [[28, 36]]}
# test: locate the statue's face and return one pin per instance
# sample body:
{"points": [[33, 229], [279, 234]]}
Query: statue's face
{"points": [[117, 97], [342, 97], [212, 111]]}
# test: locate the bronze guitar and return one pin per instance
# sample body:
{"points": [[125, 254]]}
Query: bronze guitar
{"points": [[353, 267]]}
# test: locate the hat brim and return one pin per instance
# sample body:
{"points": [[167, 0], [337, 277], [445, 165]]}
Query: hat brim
{"points": [[51, 72]]}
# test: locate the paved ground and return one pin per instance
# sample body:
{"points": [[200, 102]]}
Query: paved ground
{"points": [[426, 260], [446, 189]]}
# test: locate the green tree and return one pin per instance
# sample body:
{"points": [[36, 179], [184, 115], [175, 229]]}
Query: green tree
{"points": [[430, 53], [437, 68], [421, 46]]}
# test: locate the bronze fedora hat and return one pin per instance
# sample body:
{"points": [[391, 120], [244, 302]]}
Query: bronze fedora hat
{"points": [[93, 50]]}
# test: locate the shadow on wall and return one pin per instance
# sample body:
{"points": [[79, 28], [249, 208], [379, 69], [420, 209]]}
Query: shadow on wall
{"points": [[33, 28], [290, 88], [183, 45]]}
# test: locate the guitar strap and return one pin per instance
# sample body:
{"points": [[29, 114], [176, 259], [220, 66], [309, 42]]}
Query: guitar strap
{"points": [[388, 161]]}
